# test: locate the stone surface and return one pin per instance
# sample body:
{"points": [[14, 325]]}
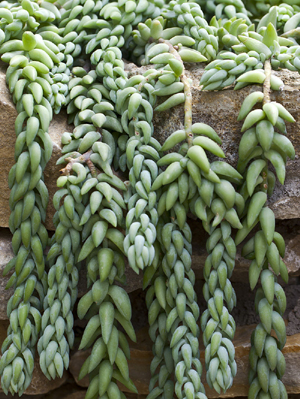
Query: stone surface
{"points": [[294, 319], [76, 361], [8, 115], [141, 356], [6, 254], [69, 390], [40, 384], [3, 328], [75, 395], [218, 109]]}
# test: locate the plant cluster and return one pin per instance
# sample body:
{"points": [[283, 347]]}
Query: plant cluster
{"points": [[122, 195]]}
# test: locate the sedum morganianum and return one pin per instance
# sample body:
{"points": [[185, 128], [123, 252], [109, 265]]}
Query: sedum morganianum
{"points": [[121, 196]]}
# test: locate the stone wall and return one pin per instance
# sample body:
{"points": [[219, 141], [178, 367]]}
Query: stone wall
{"points": [[220, 110]]}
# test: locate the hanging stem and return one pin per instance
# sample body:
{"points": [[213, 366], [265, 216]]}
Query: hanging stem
{"points": [[187, 93], [266, 99], [148, 78], [187, 109], [84, 158], [267, 82], [92, 168]]}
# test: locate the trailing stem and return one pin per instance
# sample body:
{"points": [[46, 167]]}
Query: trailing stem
{"points": [[267, 82]]}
